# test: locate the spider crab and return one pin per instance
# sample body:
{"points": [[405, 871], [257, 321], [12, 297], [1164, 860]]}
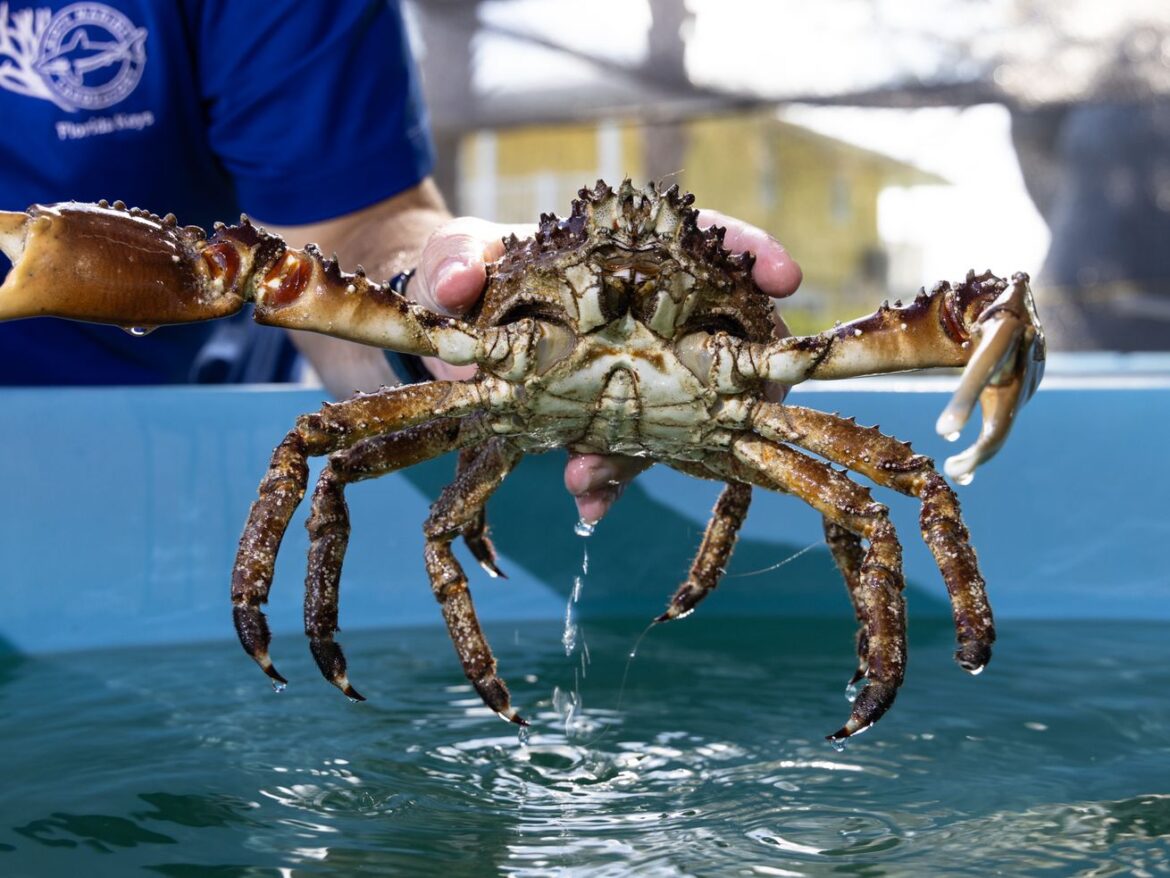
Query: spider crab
{"points": [[622, 328]]}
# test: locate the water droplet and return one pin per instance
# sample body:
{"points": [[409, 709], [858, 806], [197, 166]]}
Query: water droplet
{"points": [[838, 744], [139, 331], [584, 528], [852, 689], [278, 686], [569, 635], [951, 437], [965, 478], [524, 735]]}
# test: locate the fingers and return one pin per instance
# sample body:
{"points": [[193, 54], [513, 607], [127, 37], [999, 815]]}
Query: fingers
{"points": [[596, 481], [775, 270], [452, 267]]}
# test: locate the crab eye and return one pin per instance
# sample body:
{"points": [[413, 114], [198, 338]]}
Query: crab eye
{"points": [[713, 323], [546, 312]]}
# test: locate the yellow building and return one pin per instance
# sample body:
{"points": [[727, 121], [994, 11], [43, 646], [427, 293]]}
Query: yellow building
{"points": [[817, 194]]}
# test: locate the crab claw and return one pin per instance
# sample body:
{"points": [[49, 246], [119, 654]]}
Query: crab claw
{"points": [[1002, 374]]}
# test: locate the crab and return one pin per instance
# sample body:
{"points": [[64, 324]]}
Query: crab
{"points": [[623, 328]]}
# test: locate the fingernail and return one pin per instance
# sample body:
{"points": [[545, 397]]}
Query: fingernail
{"points": [[448, 268]]}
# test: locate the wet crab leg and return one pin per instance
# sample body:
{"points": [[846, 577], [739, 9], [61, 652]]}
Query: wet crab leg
{"points": [[879, 594], [459, 504], [714, 551], [893, 464], [334, 427], [328, 523], [849, 556], [475, 532], [844, 546], [986, 324]]}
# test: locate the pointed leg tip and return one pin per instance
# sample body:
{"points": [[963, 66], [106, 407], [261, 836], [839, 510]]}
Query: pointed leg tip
{"points": [[675, 611], [266, 664], [510, 715], [351, 693], [973, 657], [492, 569]]}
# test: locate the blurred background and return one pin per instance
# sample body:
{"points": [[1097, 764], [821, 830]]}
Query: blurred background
{"points": [[887, 144]]}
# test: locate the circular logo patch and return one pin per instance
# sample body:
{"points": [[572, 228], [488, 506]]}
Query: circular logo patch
{"points": [[91, 56]]}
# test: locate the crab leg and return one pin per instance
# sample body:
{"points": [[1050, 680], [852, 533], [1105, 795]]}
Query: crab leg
{"points": [[986, 324], [848, 555], [459, 504], [475, 532], [333, 428], [711, 560], [894, 464], [328, 523], [879, 595], [128, 267]]}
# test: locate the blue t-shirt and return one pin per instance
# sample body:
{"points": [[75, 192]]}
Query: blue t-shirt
{"points": [[294, 111]]}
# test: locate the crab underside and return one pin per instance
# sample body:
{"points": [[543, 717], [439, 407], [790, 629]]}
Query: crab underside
{"points": [[623, 328]]}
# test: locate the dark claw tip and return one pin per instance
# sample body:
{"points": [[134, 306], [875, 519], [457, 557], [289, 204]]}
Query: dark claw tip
{"points": [[973, 656], [352, 693], [519, 720], [838, 736], [271, 671]]}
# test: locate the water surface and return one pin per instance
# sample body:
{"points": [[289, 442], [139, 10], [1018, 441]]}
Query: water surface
{"points": [[707, 760]]}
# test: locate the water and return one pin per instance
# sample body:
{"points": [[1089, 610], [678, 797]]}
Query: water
{"points": [[709, 761]]}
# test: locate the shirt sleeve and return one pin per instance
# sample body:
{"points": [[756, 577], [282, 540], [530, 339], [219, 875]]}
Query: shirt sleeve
{"points": [[312, 106]]}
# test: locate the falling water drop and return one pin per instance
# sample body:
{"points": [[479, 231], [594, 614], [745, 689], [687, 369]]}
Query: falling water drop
{"points": [[852, 689], [569, 635], [838, 744], [524, 735], [278, 686], [584, 528]]}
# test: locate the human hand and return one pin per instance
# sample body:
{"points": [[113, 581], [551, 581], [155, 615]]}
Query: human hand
{"points": [[450, 279]]}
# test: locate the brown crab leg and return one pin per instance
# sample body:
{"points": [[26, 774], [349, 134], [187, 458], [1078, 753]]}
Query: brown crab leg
{"points": [[459, 503], [333, 428], [879, 594], [894, 464], [845, 547], [475, 532], [987, 324], [711, 560], [328, 523]]}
